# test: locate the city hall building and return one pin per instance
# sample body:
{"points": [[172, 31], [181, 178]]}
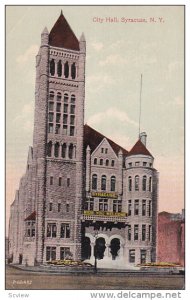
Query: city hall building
{"points": [[82, 195]]}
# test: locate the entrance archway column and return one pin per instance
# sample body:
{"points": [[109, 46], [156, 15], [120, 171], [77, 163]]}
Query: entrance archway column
{"points": [[107, 250], [92, 244]]}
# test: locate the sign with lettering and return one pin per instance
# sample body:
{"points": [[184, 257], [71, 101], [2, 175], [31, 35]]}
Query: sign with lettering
{"points": [[104, 195]]}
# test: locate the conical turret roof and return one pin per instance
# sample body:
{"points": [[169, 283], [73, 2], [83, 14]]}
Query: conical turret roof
{"points": [[139, 148], [62, 35]]}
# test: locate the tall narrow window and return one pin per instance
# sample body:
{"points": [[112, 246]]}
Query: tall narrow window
{"points": [[51, 95], [56, 150], [94, 182], [103, 183], [107, 162], [59, 207], [129, 207], [136, 232], [66, 69], [51, 105], [144, 183], [73, 71], [57, 129], [50, 128], [50, 206], [72, 109], [72, 120], [149, 208], [51, 180], [59, 69], [132, 256], [130, 183], [129, 232], [150, 184], [52, 67], [63, 152], [113, 163], [113, 181], [60, 181], [71, 151], [58, 107], [149, 232], [58, 118], [143, 256], [143, 207], [73, 99], [66, 98], [68, 182], [72, 130], [49, 149], [101, 162], [143, 232], [95, 161], [136, 208], [50, 253], [51, 117], [59, 96], [136, 183], [65, 119]]}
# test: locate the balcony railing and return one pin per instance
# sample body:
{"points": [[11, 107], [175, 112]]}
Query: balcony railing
{"points": [[104, 216]]}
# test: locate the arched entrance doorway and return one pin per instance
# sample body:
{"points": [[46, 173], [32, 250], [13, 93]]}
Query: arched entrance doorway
{"points": [[114, 248], [99, 248], [86, 248]]}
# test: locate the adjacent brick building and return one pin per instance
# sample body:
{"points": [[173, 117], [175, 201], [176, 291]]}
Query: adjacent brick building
{"points": [[82, 194], [171, 238]]}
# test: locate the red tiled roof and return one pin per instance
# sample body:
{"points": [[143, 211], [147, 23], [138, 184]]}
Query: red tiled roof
{"points": [[31, 217], [93, 138], [139, 148], [62, 35]]}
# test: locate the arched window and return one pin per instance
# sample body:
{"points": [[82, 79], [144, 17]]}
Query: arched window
{"points": [[73, 99], [66, 69], [52, 67], [103, 183], [144, 183], [107, 162], [51, 95], [94, 181], [73, 71], [130, 183], [59, 69], [150, 184], [66, 97], [58, 96], [112, 183], [49, 149], [95, 161], [136, 183], [71, 151], [56, 150], [63, 150]]}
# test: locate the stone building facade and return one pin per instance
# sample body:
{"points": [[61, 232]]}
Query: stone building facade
{"points": [[82, 194]]}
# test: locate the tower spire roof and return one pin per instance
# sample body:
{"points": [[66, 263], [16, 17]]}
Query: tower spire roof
{"points": [[139, 148], [62, 36]]}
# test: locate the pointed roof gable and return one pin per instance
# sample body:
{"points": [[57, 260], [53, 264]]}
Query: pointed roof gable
{"points": [[93, 138], [31, 217], [62, 35], [139, 148]]}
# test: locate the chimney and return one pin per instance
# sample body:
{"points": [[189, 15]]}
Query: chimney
{"points": [[143, 137]]}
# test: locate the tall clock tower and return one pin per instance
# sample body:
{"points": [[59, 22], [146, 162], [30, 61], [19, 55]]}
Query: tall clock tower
{"points": [[58, 141]]}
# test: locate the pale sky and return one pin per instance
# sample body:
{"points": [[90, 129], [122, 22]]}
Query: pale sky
{"points": [[117, 54]]}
